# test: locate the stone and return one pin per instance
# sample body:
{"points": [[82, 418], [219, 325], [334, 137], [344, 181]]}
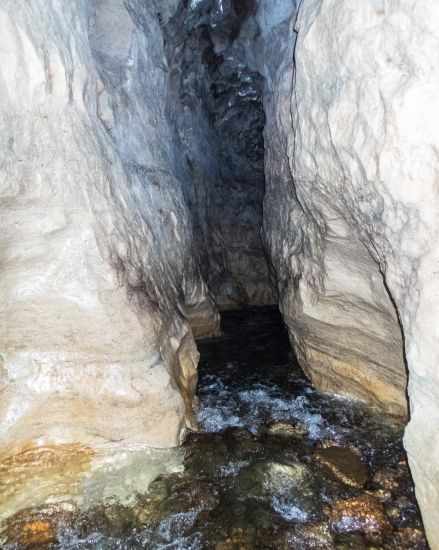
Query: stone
{"points": [[238, 538], [361, 514], [344, 464], [351, 215], [409, 538], [291, 488], [332, 294], [307, 537], [286, 429]]}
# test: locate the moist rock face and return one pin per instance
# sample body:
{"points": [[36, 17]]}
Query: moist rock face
{"points": [[98, 278], [218, 112], [332, 294], [351, 213]]}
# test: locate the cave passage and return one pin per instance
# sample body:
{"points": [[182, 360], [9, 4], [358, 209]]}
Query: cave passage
{"points": [[267, 461], [217, 85]]}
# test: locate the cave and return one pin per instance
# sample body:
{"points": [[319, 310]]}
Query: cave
{"points": [[218, 274]]}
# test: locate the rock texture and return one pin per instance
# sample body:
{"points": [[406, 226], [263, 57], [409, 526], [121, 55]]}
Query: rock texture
{"points": [[218, 112], [353, 201], [332, 294], [98, 278]]}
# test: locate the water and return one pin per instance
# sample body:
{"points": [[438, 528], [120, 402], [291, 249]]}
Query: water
{"points": [[275, 464]]}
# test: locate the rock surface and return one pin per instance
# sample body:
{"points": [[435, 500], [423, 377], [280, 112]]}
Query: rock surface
{"points": [[98, 277], [218, 113], [353, 201], [332, 295], [363, 514], [344, 465]]}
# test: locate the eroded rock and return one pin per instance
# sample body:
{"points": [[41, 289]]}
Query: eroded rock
{"points": [[96, 246], [351, 214]]}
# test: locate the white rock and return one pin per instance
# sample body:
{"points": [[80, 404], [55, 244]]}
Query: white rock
{"points": [[363, 154], [95, 239]]}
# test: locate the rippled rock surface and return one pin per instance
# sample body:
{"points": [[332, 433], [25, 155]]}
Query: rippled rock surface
{"points": [[98, 279], [244, 485], [360, 209], [341, 319]]}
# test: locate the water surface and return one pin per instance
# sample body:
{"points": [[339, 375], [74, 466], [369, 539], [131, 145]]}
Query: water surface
{"points": [[275, 464]]}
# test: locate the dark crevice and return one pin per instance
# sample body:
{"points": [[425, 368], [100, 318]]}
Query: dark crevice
{"points": [[220, 124]]}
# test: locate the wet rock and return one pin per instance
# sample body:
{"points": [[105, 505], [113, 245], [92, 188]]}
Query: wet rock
{"points": [[387, 478], [243, 444], [38, 533], [362, 514], [291, 489], [307, 537], [403, 512], [180, 494], [381, 494], [408, 539], [350, 542], [205, 453], [286, 429], [32, 528], [351, 237], [238, 539], [344, 464]]}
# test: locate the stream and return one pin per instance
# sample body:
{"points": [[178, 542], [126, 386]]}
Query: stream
{"points": [[275, 465]]}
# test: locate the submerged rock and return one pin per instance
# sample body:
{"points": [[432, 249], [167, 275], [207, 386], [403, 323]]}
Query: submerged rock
{"points": [[408, 538], [344, 464], [291, 489], [362, 514], [307, 537], [286, 429]]}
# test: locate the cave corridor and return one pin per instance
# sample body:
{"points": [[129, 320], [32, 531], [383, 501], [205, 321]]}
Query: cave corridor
{"points": [[219, 227]]}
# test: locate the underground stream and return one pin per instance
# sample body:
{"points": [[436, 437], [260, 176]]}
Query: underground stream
{"points": [[275, 463]]}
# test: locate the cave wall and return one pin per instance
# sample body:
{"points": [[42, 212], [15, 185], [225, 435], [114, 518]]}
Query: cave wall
{"points": [[354, 208], [332, 294], [218, 113], [98, 279]]}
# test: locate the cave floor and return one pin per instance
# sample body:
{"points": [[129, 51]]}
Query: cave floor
{"points": [[275, 464]]}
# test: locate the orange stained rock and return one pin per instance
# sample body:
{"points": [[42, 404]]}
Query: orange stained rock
{"points": [[62, 465], [37, 532], [363, 513]]}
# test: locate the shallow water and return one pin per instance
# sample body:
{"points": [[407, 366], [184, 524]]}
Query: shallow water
{"points": [[256, 475]]}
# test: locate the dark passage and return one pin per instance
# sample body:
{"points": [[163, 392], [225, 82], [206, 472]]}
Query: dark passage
{"points": [[276, 465]]}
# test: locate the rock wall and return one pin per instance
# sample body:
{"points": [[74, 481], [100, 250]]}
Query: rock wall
{"points": [[218, 113], [98, 278], [332, 295], [355, 202]]}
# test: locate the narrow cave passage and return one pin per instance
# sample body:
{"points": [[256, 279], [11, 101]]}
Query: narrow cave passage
{"points": [[276, 464], [165, 168], [217, 107]]}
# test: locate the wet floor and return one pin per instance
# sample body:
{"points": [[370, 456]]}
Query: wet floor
{"points": [[275, 464]]}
